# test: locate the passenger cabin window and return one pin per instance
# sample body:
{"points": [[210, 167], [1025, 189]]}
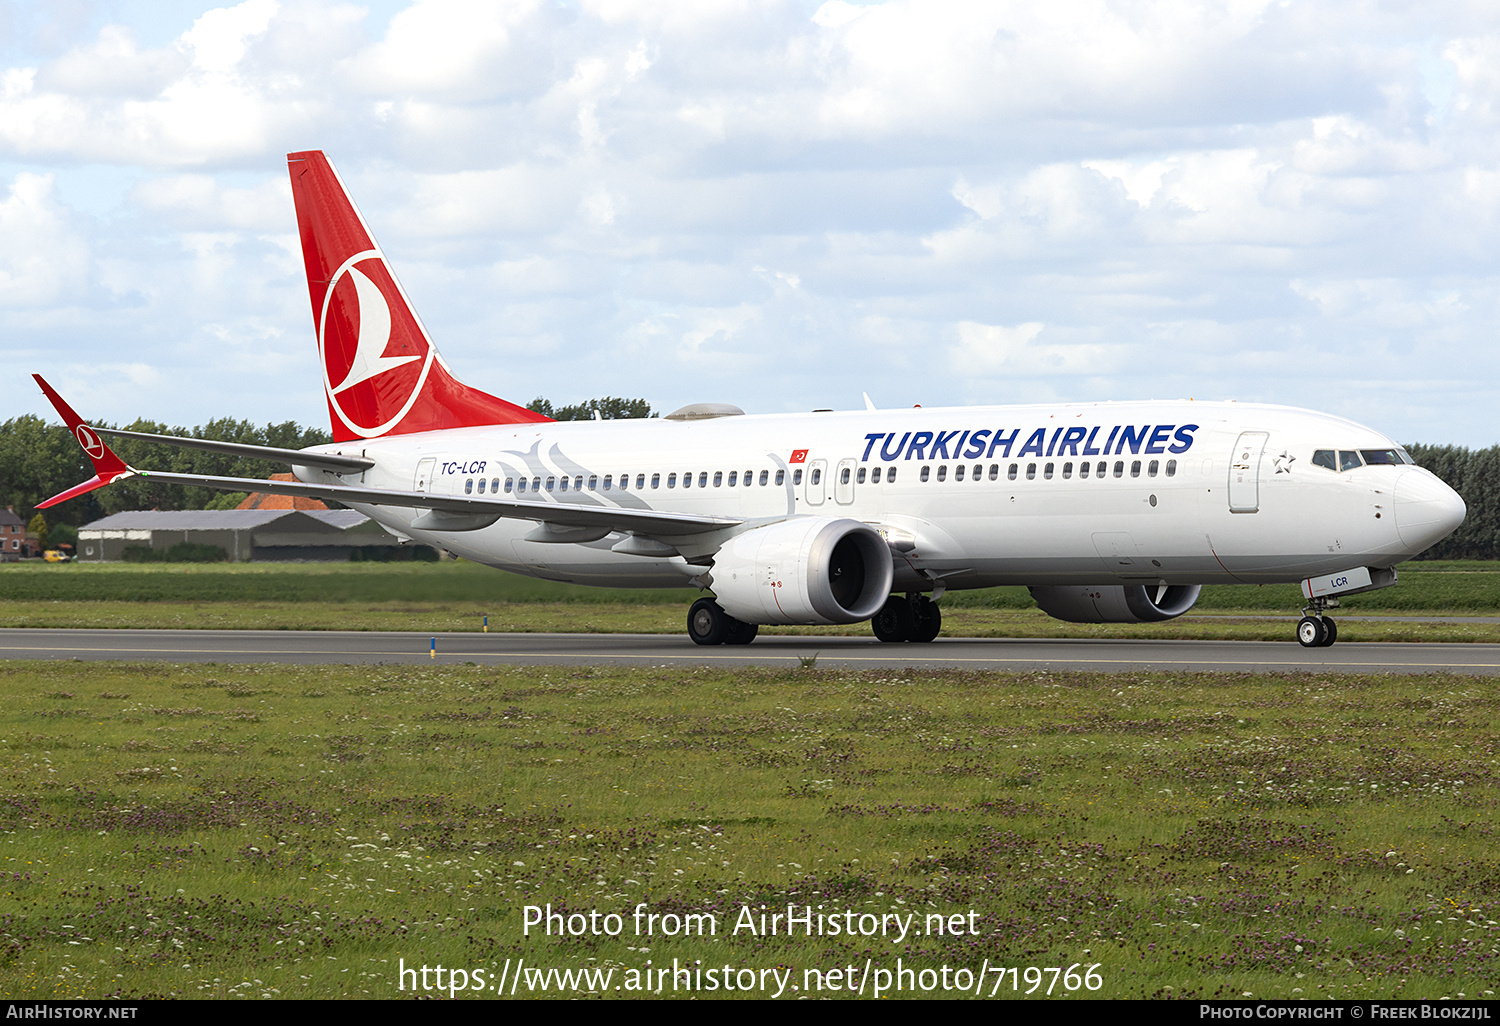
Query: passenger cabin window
{"points": [[890, 475], [671, 480], [860, 477], [1135, 468], [1171, 468], [734, 476], [718, 479], [925, 471], [817, 475], [796, 476], [1119, 468], [510, 484], [1152, 468], [1067, 471], [1047, 471], [607, 479], [874, 475], [1012, 472], [1031, 471], [958, 472], [780, 477], [978, 470], [655, 480], [844, 476], [943, 472], [640, 482], [1083, 470], [994, 471]]}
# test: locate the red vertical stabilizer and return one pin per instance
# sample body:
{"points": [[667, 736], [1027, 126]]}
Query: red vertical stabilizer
{"points": [[381, 373]]}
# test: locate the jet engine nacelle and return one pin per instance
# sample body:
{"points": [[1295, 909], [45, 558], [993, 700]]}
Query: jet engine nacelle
{"points": [[1116, 603], [804, 570]]}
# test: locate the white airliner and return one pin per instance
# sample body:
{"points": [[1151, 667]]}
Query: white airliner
{"points": [[1109, 512]]}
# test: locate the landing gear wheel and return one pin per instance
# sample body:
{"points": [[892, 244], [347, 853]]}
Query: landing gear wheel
{"points": [[894, 621], [927, 619], [1332, 631], [739, 633], [1311, 632], [708, 624]]}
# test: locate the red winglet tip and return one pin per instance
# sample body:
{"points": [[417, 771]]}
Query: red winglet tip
{"points": [[107, 466]]}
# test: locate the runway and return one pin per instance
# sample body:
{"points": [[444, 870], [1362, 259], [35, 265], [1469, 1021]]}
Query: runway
{"points": [[370, 647]]}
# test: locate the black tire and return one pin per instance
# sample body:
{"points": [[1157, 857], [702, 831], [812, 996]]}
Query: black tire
{"points": [[927, 619], [1332, 630], [740, 632], [707, 623], [1310, 632], [894, 621]]}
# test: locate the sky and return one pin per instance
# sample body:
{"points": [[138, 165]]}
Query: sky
{"points": [[771, 203]]}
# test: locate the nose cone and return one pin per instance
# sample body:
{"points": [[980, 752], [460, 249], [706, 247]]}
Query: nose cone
{"points": [[1427, 510]]}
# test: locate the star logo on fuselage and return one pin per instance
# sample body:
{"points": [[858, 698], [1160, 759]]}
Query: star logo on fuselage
{"points": [[1284, 462]]}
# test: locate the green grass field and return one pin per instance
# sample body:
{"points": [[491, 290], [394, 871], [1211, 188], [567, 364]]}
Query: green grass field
{"points": [[456, 596], [267, 831]]}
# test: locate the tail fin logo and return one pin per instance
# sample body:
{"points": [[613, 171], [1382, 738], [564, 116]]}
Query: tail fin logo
{"points": [[375, 356]]}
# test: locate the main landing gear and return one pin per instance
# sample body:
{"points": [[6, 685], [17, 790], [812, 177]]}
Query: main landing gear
{"points": [[912, 617], [1315, 630], [708, 624]]}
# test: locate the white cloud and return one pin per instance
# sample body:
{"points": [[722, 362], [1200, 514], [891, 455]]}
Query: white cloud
{"points": [[674, 199], [44, 260], [993, 349]]}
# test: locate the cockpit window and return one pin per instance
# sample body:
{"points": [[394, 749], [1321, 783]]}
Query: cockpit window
{"points": [[1380, 456], [1349, 460], [1325, 458]]}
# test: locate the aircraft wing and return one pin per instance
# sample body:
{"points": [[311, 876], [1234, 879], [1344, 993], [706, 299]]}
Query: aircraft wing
{"points": [[650, 522], [446, 512], [292, 457]]}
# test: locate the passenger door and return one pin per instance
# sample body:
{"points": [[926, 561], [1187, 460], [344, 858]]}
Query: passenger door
{"points": [[1244, 472]]}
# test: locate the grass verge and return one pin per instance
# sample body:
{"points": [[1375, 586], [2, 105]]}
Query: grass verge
{"points": [[272, 831]]}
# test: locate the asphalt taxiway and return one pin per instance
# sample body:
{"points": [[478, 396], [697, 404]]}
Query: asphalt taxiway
{"points": [[371, 647]]}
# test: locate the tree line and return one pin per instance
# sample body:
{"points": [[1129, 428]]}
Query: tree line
{"points": [[38, 459]]}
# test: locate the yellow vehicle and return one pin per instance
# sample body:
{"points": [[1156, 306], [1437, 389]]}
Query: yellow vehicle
{"points": [[56, 556]]}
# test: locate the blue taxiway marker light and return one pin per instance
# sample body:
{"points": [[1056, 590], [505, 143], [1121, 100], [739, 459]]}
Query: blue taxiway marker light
{"points": [[434, 648], [486, 623]]}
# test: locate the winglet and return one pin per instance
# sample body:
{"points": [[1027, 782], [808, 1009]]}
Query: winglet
{"points": [[107, 466]]}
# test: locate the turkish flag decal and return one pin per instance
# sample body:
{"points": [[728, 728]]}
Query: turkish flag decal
{"points": [[798, 456]]}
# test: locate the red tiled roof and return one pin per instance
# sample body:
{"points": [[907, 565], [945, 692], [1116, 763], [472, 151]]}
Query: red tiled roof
{"points": [[265, 500]]}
